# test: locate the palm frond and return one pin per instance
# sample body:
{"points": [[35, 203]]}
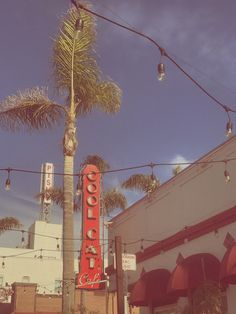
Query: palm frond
{"points": [[113, 199], [76, 57], [68, 49], [141, 182], [207, 299], [28, 110], [96, 160], [55, 194], [8, 223], [106, 96]]}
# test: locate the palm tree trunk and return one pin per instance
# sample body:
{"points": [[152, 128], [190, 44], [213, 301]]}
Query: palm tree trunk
{"points": [[68, 287], [68, 234], [70, 145]]}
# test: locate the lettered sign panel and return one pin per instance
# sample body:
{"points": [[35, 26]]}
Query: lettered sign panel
{"points": [[90, 268]]}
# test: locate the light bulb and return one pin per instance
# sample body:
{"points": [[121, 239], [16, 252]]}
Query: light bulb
{"points": [[110, 250], [78, 189], [229, 128], [227, 176], [8, 184], [142, 248], [161, 71], [79, 25]]}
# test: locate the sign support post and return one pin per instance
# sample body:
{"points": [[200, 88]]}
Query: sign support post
{"points": [[119, 276]]}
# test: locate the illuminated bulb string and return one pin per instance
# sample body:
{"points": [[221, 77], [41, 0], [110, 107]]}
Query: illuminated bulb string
{"points": [[226, 174], [161, 66], [8, 180], [123, 169]]}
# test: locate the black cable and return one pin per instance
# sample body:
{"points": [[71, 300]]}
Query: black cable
{"points": [[163, 52]]}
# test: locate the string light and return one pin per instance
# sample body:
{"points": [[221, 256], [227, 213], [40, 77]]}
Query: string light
{"points": [[229, 128], [125, 168], [161, 67], [8, 181], [142, 247], [125, 248], [41, 254], [3, 262], [22, 239], [79, 25], [78, 190], [226, 173], [111, 248], [133, 30], [58, 245]]}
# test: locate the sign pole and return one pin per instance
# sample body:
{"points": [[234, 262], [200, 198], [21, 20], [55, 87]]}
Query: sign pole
{"points": [[119, 276]]}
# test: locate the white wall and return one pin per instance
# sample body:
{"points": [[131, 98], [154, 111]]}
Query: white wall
{"points": [[43, 271], [195, 194]]}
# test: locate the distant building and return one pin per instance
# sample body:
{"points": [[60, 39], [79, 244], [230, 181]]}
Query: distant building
{"points": [[183, 236], [39, 263]]}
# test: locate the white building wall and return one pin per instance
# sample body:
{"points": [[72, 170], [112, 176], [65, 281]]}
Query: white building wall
{"points": [[20, 263], [195, 194]]}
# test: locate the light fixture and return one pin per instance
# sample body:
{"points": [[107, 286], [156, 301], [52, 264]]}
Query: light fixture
{"points": [[3, 262], [229, 128], [161, 71], [226, 174], [161, 67], [154, 182], [125, 248], [110, 248], [8, 181], [79, 25], [22, 239], [58, 245], [142, 247], [78, 190]]}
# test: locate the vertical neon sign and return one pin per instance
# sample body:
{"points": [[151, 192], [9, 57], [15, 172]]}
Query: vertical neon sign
{"points": [[90, 269]]}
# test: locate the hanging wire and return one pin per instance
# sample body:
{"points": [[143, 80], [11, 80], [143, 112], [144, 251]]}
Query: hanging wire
{"points": [[123, 169], [222, 105]]}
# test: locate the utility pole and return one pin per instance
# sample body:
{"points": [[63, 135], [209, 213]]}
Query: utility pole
{"points": [[119, 276]]}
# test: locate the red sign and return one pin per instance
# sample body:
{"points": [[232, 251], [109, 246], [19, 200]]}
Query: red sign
{"points": [[90, 268]]}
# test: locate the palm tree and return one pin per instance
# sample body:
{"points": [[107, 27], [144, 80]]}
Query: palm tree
{"points": [[8, 223], [112, 198], [77, 78], [206, 299], [98, 161], [141, 182]]}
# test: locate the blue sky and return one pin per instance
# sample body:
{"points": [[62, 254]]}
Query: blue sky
{"points": [[158, 121]]}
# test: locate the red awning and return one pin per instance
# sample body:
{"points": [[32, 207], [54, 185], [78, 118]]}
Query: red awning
{"points": [[191, 272], [228, 266], [150, 289]]}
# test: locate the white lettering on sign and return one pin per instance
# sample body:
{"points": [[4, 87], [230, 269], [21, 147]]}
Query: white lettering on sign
{"points": [[128, 261], [47, 182]]}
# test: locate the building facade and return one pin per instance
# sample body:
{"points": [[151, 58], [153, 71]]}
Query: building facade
{"points": [[183, 237], [37, 261]]}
